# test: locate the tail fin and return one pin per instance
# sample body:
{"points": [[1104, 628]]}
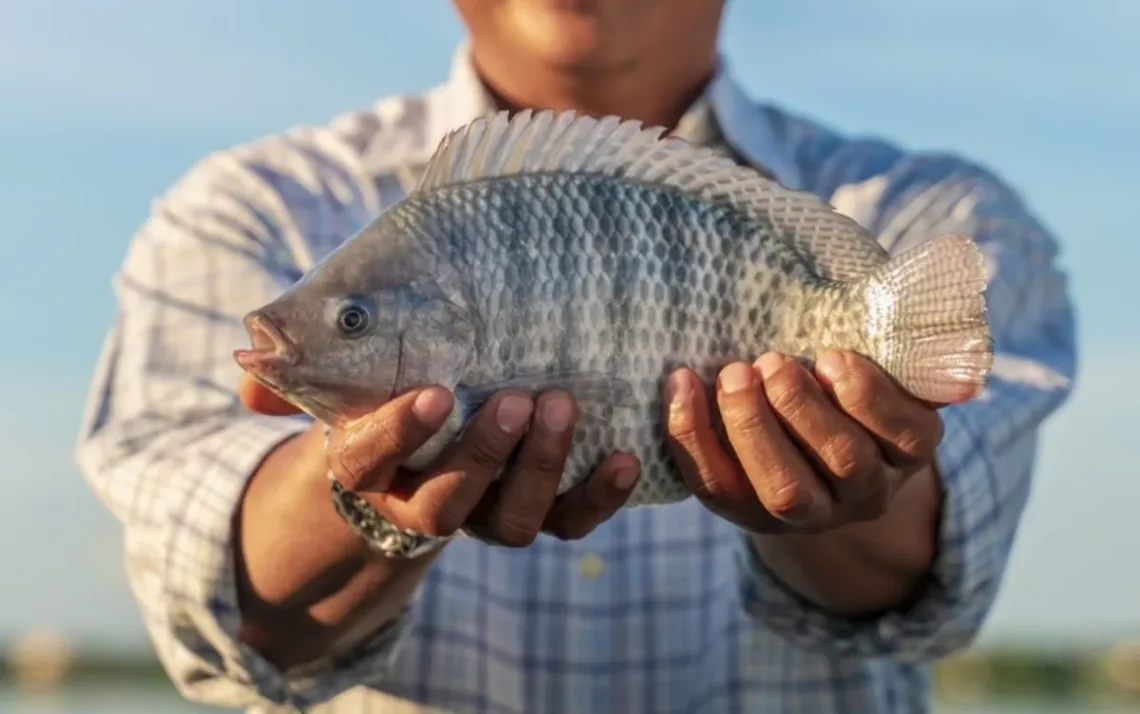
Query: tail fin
{"points": [[934, 337]]}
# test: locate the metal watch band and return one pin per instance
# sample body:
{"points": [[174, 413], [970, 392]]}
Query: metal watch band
{"points": [[380, 534]]}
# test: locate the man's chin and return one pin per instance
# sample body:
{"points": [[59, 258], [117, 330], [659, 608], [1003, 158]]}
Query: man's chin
{"points": [[577, 46], [576, 61]]}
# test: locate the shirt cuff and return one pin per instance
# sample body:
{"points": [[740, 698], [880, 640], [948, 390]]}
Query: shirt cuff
{"points": [[201, 591], [958, 591]]}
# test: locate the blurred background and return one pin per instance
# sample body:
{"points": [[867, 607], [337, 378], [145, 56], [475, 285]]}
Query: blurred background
{"points": [[103, 104]]}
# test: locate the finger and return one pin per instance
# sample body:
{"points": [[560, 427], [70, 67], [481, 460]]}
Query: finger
{"points": [[908, 430], [442, 500], [589, 504], [514, 513], [841, 450], [255, 396], [781, 477], [707, 469], [713, 476], [366, 453]]}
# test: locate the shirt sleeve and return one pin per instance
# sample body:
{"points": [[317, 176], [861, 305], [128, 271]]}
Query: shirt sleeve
{"points": [[987, 455], [165, 442]]}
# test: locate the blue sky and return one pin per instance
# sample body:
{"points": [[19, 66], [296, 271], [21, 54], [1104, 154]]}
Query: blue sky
{"points": [[106, 103]]}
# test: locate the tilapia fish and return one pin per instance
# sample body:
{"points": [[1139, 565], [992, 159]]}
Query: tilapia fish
{"points": [[594, 255]]}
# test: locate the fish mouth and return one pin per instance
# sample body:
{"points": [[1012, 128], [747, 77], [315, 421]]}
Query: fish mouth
{"points": [[269, 348]]}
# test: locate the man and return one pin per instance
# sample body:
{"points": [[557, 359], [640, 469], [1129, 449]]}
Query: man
{"points": [[855, 536]]}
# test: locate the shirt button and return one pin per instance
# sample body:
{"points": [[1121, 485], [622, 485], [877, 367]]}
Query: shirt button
{"points": [[591, 566]]}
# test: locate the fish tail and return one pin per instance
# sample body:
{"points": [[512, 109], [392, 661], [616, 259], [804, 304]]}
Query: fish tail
{"points": [[926, 319]]}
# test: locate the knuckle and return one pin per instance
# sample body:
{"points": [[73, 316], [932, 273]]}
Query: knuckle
{"points": [[919, 440], [787, 393], [341, 468], [512, 531], [857, 392], [379, 440], [915, 444], [687, 448], [712, 486], [545, 460], [375, 447], [687, 443], [706, 489], [347, 467], [848, 458], [389, 434], [787, 500], [744, 420], [486, 452]]}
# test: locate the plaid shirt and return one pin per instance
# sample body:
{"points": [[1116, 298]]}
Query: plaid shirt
{"points": [[659, 610]]}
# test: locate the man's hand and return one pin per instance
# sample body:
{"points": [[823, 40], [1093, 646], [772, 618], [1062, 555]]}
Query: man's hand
{"points": [[459, 491], [307, 585], [824, 458]]}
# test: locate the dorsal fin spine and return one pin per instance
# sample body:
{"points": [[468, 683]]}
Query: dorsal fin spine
{"points": [[548, 141]]}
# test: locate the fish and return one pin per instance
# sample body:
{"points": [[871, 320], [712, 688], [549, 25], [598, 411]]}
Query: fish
{"points": [[552, 249]]}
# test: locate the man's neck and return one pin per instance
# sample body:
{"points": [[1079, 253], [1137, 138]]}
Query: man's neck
{"points": [[657, 94]]}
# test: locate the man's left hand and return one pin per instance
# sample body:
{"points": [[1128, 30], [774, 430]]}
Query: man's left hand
{"points": [[813, 453]]}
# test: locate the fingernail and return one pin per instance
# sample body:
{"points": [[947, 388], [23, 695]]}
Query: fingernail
{"points": [[831, 366], [624, 479], [677, 389], [513, 413], [769, 362], [736, 377], [556, 414], [432, 406]]}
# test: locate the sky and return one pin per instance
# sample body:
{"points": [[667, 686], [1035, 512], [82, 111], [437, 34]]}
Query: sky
{"points": [[106, 103]]}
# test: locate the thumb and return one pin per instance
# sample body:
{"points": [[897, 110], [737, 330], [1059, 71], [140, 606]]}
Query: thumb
{"points": [[255, 396], [364, 454]]}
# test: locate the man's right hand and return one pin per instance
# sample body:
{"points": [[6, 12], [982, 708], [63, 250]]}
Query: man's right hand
{"points": [[303, 571], [458, 492]]}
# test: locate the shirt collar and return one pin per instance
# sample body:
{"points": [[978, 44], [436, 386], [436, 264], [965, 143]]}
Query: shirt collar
{"points": [[724, 107]]}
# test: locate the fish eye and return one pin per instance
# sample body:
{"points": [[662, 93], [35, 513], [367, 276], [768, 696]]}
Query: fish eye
{"points": [[353, 318]]}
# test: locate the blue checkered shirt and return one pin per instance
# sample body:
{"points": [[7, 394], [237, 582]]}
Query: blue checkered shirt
{"points": [[660, 610]]}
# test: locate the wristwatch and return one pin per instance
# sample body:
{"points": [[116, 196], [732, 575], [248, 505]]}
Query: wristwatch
{"points": [[380, 534]]}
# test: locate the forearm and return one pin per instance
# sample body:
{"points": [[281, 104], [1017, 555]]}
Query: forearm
{"points": [[864, 568], [307, 585]]}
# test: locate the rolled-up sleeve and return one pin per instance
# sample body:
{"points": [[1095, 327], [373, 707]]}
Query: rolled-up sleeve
{"points": [[165, 442], [986, 458]]}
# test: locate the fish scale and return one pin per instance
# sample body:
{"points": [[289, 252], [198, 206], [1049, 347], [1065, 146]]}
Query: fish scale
{"points": [[640, 279], [552, 250]]}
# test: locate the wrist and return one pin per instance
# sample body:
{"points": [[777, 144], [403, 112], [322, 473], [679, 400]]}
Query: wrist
{"points": [[307, 584], [287, 532]]}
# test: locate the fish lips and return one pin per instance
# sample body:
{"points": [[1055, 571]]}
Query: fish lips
{"points": [[270, 349]]}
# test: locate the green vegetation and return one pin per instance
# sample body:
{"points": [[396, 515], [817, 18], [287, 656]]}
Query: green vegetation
{"points": [[971, 677], [989, 674]]}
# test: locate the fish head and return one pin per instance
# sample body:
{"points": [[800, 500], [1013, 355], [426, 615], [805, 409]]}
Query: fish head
{"points": [[334, 358], [360, 328]]}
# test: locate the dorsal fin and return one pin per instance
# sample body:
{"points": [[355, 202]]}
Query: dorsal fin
{"points": [[837, 247]]}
